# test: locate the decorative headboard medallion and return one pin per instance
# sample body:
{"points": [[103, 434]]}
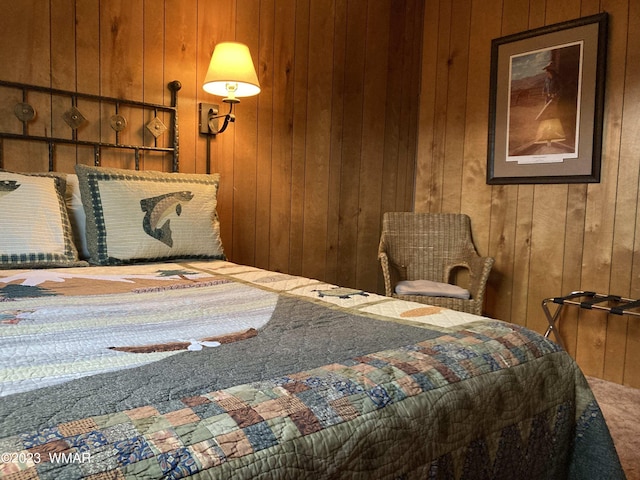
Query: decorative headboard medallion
{"points": [[74, 118], [156, 127], [24, 112], [118, 122]]}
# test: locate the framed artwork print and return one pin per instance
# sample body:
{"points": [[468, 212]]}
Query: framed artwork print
{"points": [[546, 103]]}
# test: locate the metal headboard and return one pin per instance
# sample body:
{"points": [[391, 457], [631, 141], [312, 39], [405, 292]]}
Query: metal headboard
{"points": [[74, 118]]}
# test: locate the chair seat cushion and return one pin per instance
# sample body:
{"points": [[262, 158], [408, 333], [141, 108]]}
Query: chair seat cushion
{"points": [[431, 289]]}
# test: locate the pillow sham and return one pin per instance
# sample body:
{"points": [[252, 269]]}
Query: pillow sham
{"points": [[142, 216], [35, 231]]}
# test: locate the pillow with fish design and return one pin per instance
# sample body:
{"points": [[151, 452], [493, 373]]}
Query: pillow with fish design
{"points": [[142, 216]]}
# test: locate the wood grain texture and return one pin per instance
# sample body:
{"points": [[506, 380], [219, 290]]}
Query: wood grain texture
{"points": [[25, 60], [246, 148], [370, 182], [547, 239], [335, 231], [282, 161], [299, 131]]}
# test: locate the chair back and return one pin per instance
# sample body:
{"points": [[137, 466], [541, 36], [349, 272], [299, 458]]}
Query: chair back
{"points": [[424, 245]]}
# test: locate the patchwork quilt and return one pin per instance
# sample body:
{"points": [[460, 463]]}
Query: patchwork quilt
{"points": [[218, 370]]}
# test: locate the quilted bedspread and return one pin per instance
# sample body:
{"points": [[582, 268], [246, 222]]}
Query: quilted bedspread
{"points": [[217, 370]]}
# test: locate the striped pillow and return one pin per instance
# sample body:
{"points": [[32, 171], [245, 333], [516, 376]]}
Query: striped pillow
{"points": [[34, 225]]}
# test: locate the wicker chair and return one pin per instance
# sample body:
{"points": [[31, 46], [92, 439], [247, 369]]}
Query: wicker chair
{"points": [[432, 246]]}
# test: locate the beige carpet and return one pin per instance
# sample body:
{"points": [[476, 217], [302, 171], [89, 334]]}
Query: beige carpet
{"points": [[621, 409]]}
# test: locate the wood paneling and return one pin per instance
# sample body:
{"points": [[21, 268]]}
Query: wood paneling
{"points": [[547, 239], [332, 141], [310, 164]]}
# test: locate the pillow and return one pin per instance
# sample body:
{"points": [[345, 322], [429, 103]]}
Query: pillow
{"points": [[34, 225], [77, 217], [431, 289], [141, 216]]}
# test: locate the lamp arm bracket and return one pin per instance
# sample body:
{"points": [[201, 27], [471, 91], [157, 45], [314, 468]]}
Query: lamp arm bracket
{"points": [[209, 118], [228, 118]]}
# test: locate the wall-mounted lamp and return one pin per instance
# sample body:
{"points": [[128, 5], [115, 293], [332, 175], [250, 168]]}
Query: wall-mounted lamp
{"points": [[231, 75]]}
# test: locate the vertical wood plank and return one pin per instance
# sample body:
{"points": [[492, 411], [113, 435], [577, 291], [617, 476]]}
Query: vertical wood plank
{"points": [[425, 181], [410, 137], [246, 145], [334, 219], [264, 166], [457, 68], [63, 74], [352, 126], [121, 60], [87, 48], [475, 196], [63, 44], [318, 135], [88, 70], [522, 255], [283, 107], [572, 262], [440, 106], [299, 147], [410, 42], [379, 38], [154, 86], [180, 58]]}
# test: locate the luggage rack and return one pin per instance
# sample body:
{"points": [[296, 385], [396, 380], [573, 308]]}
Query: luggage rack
{"points": [[613, 304]]}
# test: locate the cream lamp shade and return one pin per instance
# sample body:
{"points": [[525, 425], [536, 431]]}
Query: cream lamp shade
{"points": [[231, 72]]}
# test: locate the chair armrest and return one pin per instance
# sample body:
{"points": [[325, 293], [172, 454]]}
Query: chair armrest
{"points": [[392, 272], [386, 274], [480, 270]]}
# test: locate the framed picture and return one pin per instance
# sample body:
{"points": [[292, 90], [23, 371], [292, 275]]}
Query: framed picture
{"points": [[546, 104]]}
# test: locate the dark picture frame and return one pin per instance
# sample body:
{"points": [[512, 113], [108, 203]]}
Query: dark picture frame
{"points": [[546, 103]]}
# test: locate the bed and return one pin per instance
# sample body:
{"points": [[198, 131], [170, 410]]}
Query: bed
{"points": [[130, 347]]}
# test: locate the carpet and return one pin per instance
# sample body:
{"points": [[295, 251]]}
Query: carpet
{"points": [[621, 409]]}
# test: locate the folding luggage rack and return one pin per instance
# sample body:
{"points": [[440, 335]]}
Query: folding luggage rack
{"points": [[613, 304]]}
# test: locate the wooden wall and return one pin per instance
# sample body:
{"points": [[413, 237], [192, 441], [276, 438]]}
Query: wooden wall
{"points": [[310, 164], [330, 143], [547, 240]]}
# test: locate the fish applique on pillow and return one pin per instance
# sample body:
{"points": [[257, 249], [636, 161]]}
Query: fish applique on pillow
{"points": [[157, 209]]}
